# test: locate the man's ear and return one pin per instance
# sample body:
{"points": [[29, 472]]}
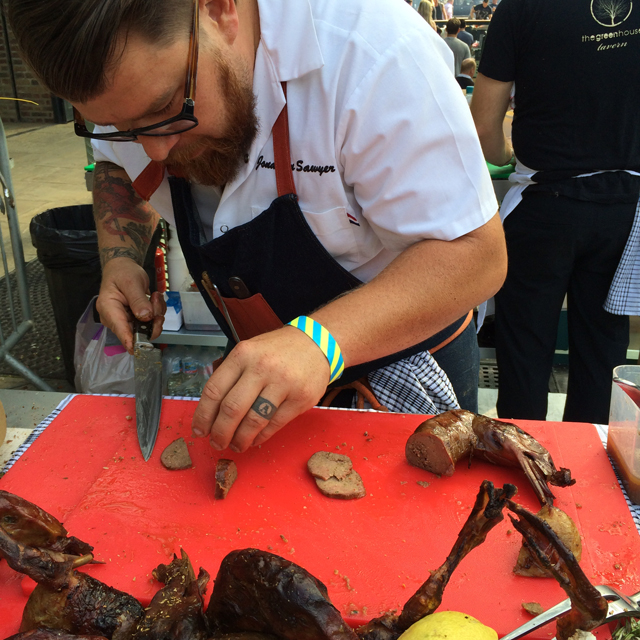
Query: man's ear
{"points": [[224, 14]]}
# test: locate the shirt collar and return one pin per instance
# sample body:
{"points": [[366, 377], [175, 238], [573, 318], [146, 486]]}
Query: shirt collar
{"points": [[288, 35]]}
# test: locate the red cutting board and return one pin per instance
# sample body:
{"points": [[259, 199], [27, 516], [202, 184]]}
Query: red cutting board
{"points": [[373, 553]]}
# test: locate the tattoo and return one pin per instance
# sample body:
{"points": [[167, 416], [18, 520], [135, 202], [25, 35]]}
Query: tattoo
{"points": [[108, 253], [264, 407], [120, 214]]}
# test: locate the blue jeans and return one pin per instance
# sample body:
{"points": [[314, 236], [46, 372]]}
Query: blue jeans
{"points": [[460, 360]]}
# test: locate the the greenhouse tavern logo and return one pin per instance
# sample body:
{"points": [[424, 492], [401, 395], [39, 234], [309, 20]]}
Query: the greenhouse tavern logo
{"points": [[610, 13]]}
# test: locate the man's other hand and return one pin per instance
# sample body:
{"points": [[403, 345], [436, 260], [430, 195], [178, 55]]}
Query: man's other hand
{"points": [[263, 383]]}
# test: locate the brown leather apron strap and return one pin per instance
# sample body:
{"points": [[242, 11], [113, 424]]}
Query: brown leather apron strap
{"points": [[282, 152], [454, 335]]}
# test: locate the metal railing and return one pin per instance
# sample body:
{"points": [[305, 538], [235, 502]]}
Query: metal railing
{"points": [[20, 314]]}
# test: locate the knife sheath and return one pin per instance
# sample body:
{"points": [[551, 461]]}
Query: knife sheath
{"points": [[250, 316]]}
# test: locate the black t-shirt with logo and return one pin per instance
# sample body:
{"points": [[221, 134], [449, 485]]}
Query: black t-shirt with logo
{"points": [[481, 12], [577, 100]]}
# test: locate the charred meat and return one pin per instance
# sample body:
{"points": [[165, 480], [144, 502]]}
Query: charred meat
{"points": [[176, 611], [486, 514], [588, 607], [505, 444], [29, 525], [260, 592], [438, 443]]}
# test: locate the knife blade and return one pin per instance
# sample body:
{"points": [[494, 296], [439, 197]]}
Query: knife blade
{"points": [[148, 386]]}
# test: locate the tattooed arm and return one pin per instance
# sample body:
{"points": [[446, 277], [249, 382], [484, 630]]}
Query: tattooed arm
{"points": [[125, 224]]}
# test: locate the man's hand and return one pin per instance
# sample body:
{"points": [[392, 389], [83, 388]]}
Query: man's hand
{"points": [[263, 383], [123, 295]]}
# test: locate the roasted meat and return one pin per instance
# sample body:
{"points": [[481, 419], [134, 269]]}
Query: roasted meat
{"points": [[566, 530], [31, 526], [176, 612], [438, 443], [486, 514], [51, 634], [260, 592], [588, 607], [52, 568], [504, 444], [85, 606]]}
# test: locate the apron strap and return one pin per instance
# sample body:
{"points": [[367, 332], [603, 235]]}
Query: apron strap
{"points": [[281, 151]]}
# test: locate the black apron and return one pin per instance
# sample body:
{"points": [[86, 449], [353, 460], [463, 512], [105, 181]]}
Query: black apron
{"points": [[283, 268]]}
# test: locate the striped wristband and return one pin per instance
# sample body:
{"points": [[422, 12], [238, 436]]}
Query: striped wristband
{"points": [[325, 341]]}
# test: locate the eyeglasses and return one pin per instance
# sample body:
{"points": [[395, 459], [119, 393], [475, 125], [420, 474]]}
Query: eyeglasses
{"points": [[184, 121]]}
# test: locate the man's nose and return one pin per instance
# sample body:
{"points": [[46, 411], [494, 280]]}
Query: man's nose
{"points": [[158, 147]]}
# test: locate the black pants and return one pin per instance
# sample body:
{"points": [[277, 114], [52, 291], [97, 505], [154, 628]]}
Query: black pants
{"points": [[559, 245]]}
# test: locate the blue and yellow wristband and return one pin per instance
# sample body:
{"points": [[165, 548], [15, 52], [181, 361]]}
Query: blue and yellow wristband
{"points": [[325, 341]]}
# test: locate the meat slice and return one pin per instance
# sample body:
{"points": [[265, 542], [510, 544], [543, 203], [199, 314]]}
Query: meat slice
{"points": [[226, 474], [565, 529], [176, 456], [335, 476], [438, 443], [325, 465]]}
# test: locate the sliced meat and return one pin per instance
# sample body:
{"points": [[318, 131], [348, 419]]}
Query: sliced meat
{"points": [[438, 443], [565, 529], [226, 474], [335, 476], [176, 456], [325, 465]]}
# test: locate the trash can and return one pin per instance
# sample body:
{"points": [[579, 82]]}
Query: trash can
{"points": [[66, 243]]}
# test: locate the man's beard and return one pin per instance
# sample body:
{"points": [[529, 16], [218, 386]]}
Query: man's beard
{"points": [[219, 159]]}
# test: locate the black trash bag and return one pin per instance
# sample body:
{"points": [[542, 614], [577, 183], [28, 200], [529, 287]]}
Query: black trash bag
{"points": [[66, 243]]}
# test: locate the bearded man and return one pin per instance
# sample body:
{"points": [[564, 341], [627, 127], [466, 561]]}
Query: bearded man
{"points": [[319, 164]]}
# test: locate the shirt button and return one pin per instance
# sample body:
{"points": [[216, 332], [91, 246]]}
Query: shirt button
{"points": [[224, 228]]}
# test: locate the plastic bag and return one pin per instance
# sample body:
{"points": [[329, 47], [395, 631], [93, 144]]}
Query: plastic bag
{"points": [[102, 364]]}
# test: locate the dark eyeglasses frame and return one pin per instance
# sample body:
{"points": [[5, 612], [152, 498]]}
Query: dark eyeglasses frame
{"points": [[188, 106]]}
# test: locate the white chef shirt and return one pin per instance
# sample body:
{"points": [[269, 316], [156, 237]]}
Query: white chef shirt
{"points": [[384, 148]]}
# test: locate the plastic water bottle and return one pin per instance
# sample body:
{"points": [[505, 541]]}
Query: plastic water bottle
{"points": [[469, 94]]}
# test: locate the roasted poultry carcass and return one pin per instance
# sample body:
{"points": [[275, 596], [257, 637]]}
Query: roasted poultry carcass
{"points": [[486, 514], [29, 525], [438, 443], [261, 592], [588, 607], [177, 610]]}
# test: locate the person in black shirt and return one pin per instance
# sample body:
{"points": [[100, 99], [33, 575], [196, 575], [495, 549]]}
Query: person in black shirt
{"points": [[570, 214], [481, 11], [467, 71]]}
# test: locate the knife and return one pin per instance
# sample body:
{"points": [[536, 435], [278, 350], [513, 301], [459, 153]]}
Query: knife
{"points": [[148, 386]]}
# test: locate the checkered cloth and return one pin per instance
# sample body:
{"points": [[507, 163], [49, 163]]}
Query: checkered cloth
{"points": [[414, 385], [624, 294]]}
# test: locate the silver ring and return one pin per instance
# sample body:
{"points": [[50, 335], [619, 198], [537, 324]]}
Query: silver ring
{"points": [[264, 407]]}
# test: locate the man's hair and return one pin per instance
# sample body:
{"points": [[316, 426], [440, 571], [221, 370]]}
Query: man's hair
{"points": [[453, 26], [463, 23], [468, 66], [71, 44]]}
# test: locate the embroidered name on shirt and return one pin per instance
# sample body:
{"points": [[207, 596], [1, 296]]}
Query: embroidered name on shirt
{"points": [[297, 166]]}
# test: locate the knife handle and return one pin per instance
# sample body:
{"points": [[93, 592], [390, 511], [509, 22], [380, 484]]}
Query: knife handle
{"points": [[142, 333]]}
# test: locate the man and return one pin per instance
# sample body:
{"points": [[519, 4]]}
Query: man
{"points": [[463, 34], [460, 49], [572, 208], [467, 71], [335, 213], [481, 11]]}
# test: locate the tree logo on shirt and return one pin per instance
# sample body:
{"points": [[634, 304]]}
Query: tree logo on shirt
{"points": [[610, 13]]}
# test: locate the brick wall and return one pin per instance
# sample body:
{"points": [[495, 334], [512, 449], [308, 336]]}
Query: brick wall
{"points": [[17, 80]]}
